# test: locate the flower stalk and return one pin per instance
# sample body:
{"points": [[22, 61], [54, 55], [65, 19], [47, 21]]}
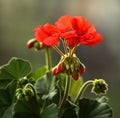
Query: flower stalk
{"points": [[64, 46], [82, 89], [66, 92], [48, 59], [58, 51]]}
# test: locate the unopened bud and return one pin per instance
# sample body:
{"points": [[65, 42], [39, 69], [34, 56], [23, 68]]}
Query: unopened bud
{"points": [[82, 68], [75, 77], [37, 46], [57, 69], [99, 87], [54, 71], [70, 65], [31, 42]]}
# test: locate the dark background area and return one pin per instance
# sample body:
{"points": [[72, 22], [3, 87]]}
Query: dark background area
{"points": [[19, 18]]}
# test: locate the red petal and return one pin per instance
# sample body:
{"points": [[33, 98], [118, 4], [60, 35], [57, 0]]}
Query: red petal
{"points": [[51, 29], [73, 41], [40, 33], [79, 23], [64, 23], [91, 29], [51, 41], [68, 35], [91, 39]]}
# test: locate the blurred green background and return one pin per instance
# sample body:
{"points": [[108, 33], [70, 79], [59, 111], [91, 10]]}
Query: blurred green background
{"points": [[19, 18]]}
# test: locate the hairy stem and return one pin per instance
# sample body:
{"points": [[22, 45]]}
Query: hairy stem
{"points": [[66, 92], [82, 89], [48, 59]]}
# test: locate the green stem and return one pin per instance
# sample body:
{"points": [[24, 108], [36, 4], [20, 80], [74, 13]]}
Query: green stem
{"points": [[60, 92], [43, 106], [66, 92], [48, 59], [82, 89]]}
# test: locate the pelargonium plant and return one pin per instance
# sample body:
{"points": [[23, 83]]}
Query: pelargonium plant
{"points": [[54, 92]]}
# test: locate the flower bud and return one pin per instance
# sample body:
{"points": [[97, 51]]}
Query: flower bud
{"points": [[31, 42], [28, 92], [54, 71], [19, 94], [57, 69], [70, 65], [75, 77], [82, 68], [99, 87], [38, 46]]}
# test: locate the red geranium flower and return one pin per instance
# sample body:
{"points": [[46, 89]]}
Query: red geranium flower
{"points": [[85, 34], [47, 34]]}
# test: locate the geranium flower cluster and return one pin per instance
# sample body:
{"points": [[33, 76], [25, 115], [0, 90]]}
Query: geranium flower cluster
{"points": [[72, 31]]}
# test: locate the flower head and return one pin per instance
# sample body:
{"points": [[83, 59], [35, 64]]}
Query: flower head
{"points": [[47, 34], [75, 30], [83, 33]]}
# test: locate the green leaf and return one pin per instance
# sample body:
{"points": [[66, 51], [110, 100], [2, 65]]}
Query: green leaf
{"points": [[69, 113], [26, 109], [93, 109], [38, 73], [68, 110], [46, 86], [50, 111], [75, 87], [7, 97], [14, 70]]}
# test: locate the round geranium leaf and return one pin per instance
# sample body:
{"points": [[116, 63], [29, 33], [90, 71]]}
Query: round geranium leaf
{"points": [[26, 109], [46, 86], [93, 109], [7, 98], [51, 111], [14, 70]]}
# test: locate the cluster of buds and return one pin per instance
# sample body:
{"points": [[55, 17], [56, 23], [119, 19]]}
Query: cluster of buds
{"points": [[70, 65], [25, 89]]}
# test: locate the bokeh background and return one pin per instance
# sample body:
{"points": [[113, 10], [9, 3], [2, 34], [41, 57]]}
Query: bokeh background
{"points": [[19, 18]]}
